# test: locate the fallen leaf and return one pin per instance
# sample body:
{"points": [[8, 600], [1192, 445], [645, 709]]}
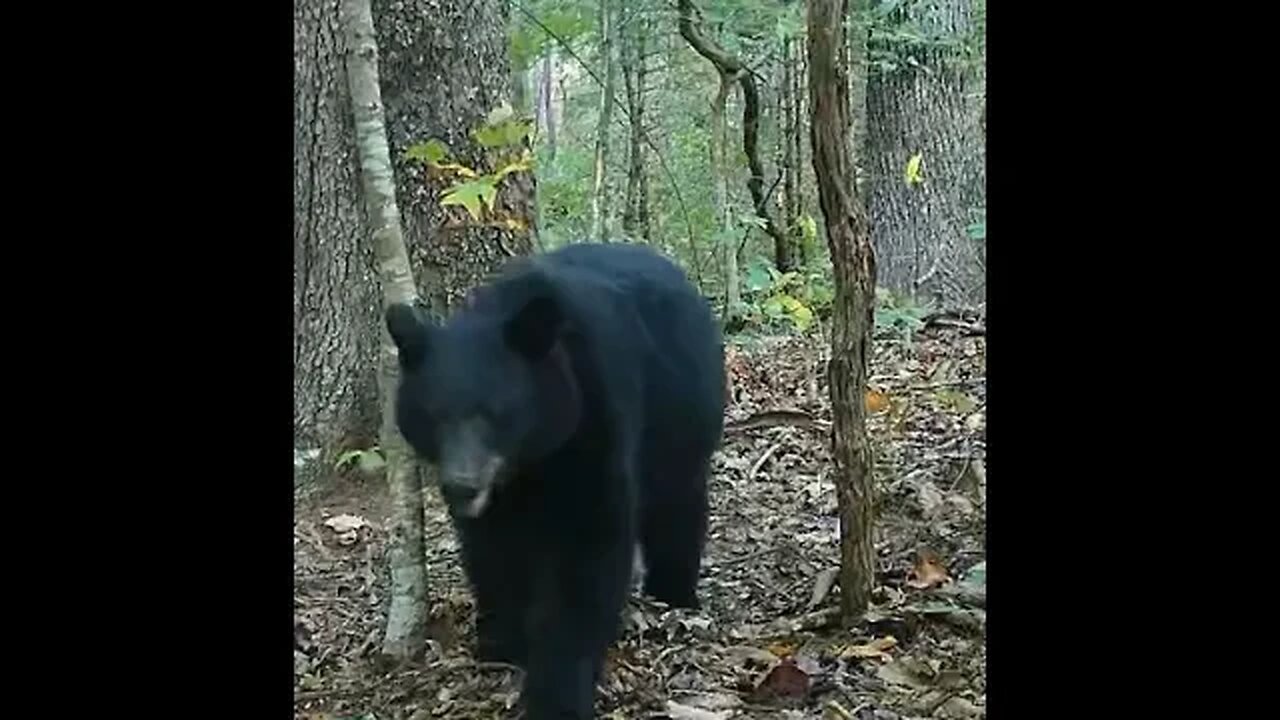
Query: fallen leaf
{"points": [[782, 650], [977, 575], [875, 649], [930, 498], [928, 571], [343, 524], [677, 711], [785, 680], [712, 701], [822, 585], [741, 654], [959, 708], [876, 401], [906, 671]]}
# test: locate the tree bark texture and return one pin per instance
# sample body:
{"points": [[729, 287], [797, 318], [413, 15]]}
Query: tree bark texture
{"points": [[407, 615], [853, 262], [335, 300], [724, 215], [789, 133], [635, 217], [859, 27], [600, 165], [444, 67], [919, 230]]}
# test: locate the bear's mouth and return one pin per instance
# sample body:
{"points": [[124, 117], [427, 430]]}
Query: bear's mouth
{"points": [[469, 493]]}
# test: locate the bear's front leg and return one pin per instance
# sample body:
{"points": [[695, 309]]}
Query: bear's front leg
{"points": [[576, 619]]}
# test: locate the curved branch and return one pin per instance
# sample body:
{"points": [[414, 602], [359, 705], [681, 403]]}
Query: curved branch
{"points": [[731, 66]]}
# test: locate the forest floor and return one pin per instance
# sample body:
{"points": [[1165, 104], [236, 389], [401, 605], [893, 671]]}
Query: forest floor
{"points": [[767, 643]]}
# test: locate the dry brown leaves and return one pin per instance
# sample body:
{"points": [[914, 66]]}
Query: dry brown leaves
{"points": [[766, 644]]}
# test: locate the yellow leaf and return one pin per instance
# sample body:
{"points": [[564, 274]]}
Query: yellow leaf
{"points": [[912, 174], [462, 170], [875, 649], [782, 650]]}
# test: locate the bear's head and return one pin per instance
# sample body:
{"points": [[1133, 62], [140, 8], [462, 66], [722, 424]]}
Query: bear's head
{"points": [[485, 393]]}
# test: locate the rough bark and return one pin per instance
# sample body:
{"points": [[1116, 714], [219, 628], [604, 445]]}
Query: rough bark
{"points": [[919, 230], [728, 64], [444, 66], [600, 166], [853, 262], [406, 616], [335, 297]]}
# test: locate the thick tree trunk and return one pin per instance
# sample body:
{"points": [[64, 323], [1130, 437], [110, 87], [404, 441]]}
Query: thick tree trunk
{"points": [[443, 68], [406, 617], [853, 262], [335, 298], [600, 166], [919, 229]]}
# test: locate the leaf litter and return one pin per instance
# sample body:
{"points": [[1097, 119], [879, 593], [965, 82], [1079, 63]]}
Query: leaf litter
{"points": [[767, 642]]}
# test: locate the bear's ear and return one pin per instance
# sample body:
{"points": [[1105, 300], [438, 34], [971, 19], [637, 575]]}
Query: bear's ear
{"points": [[409, 333], [534, 328]]}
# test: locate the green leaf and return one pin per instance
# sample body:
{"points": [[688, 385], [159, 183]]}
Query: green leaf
{"points": [[758, 277], [809, 227], [524, 163], [371, 462], [469, 195], [430, 152], [799, 313], [500, 114]]}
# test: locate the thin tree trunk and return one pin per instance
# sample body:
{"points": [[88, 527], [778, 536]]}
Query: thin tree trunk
{"points": [[406, 617], [788, 132], [859, 26], [439, 79], [726, 63], [546, 103], [720, 172], [799, 115], [854, 265], [635, 220], [334, 298], [600, 167]]}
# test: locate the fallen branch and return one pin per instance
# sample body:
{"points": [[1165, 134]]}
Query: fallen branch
{"points": [[971, 328], [776, 418], [950, 383], [755, 468]]}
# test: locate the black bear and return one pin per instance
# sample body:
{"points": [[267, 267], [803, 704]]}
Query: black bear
{"points": [[571, 409]]}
